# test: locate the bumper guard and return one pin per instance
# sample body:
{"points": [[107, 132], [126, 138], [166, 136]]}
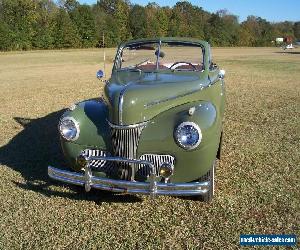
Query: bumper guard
{"points": [[134, 187]]}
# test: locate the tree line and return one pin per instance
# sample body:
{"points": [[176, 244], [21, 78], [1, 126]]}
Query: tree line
{"points": [[45, 24]]}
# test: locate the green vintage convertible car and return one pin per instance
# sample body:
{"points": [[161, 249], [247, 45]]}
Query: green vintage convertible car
{"points": [[156, 130]]}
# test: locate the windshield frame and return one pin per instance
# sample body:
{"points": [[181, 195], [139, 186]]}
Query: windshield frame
{"points": [[118, 58]]}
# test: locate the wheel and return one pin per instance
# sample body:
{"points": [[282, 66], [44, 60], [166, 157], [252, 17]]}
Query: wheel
{"points": [[209, 176]]}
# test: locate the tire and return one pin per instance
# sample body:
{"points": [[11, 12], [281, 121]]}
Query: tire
{"points": [[209, 176]]}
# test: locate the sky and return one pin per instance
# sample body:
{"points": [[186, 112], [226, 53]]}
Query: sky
{"points": [[272, 10]]}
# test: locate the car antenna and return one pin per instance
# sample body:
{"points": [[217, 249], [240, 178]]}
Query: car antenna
{"points": [[103, 44]]}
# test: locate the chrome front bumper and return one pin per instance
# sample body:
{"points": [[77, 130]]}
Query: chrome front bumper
{"points": [[134, 187]]}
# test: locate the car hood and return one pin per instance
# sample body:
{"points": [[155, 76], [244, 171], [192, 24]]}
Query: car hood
{"points": [[135, 97]]}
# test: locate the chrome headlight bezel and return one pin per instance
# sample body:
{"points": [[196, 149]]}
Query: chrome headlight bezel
{"points": [[179, 141], [75, 126]]}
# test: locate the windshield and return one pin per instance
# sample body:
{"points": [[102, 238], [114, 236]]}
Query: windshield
{"points": [[176, 56]]}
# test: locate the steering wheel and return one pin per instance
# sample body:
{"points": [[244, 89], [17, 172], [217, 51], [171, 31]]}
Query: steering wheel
{"points": [[188, 63]]}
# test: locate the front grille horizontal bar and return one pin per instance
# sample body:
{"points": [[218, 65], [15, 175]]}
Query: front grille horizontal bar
{"points": [[130, 126], [119, 159]]}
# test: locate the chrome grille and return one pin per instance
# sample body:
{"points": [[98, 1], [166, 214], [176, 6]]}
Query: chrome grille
{"points": [[95, 152], [157, 160], [111, 168], [125, 140], [100, 165]]}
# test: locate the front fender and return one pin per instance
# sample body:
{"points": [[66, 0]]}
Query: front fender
{"points": [[91, 116], [158, 138]]}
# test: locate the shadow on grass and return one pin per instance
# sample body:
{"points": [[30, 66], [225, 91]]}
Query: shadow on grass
{"points": [[36, 146], [288, 52]]}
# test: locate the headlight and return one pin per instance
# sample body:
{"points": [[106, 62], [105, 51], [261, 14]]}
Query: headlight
{"points": [[188, 135], [69, 128]]}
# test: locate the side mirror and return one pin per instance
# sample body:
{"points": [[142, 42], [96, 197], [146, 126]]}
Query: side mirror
{"points": [[100, 74], [222, 73], [160, 54]]}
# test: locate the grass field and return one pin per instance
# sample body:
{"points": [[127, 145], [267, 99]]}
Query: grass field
{"points": [[257, 179]]}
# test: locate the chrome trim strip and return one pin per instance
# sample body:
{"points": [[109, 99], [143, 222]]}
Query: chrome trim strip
{"points": [[142, 124], [120, 105], [118, 159], [151, 188], [156, 102]]}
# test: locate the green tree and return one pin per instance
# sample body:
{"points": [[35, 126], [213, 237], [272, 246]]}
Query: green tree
{"points": [[19, 17], [215, 31], [157, 20], [231, 27], [44, 27], [261, 31], [83, 18], [296, 29], [283, 29], [245, 36], [46, 24], [117, 21], [65, 33], [121, 16], [6, 37], [138, 21], [100, 24], [153, 24], [187, 20]]}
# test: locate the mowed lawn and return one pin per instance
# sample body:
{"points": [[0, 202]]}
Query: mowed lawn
{"points": [[257, 181]]}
